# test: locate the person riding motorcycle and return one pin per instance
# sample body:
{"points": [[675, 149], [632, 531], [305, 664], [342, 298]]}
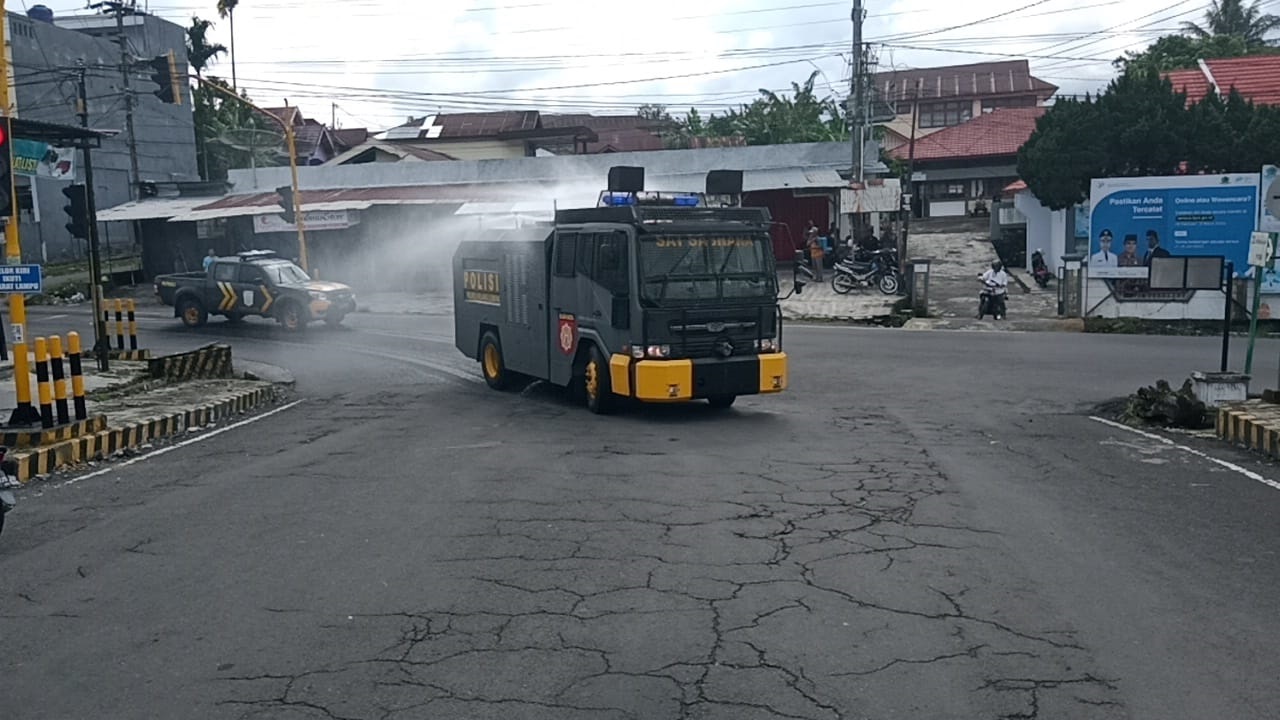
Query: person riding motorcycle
{"points": [[995, 286]]}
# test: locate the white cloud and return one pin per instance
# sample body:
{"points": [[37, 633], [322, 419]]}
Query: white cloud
{"points": [[381, 60]]}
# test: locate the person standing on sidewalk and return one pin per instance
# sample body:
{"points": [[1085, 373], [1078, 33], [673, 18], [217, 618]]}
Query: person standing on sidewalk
{"points": [[816, 253]]}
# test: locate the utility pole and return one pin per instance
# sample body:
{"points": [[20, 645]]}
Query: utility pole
{"points": [[24, 413], [911, 169], [101, 343], [856, 109], [119, 9]]}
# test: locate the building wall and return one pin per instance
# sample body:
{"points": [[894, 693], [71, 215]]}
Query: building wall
{"points": [[479, 149], [165, 133]]}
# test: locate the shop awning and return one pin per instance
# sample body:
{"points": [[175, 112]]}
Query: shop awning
{"points": [[153, 209]]}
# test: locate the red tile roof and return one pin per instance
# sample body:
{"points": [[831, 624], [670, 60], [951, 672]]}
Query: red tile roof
{"points": [[1256, 77], [997, 133], [977, 80]]}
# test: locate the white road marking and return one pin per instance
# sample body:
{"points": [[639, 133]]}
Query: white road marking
{"points": [[1228, 465], [55, 317], [184, 443]]}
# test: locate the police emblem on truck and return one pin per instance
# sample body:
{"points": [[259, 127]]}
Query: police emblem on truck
{"points": [[568, 333], [482, 286]]}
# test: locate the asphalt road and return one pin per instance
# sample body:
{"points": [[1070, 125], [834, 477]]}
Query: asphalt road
{"points": [[927, 525]]}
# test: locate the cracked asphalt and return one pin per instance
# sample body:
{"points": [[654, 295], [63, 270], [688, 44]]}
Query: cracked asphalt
{"points": [[927, 525]]}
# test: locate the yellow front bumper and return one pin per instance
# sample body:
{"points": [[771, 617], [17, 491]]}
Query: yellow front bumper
{"points": [[682, 380]]}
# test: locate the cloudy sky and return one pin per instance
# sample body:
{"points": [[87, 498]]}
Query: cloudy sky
{"points": [[375, 62]]}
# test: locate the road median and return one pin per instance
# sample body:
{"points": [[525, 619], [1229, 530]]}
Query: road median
{"points": [[140, 403]]}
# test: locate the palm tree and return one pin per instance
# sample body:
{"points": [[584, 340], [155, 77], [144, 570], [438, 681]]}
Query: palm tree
{"points": [[1231, 17], [199, 53], [227, 9], [199, 50]]}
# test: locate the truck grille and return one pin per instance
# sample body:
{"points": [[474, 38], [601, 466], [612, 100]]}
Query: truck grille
{"points": [[701, 334]]}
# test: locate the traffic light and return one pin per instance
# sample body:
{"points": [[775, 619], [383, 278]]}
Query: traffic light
{"points": [[165, 75], [6, 168], [78, 210], [286, 201]]}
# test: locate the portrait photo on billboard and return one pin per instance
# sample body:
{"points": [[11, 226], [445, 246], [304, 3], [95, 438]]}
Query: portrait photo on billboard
{"points": [[1135, 219]]}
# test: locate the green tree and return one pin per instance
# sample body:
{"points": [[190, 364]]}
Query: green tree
{"points": [[1140, 126], [1231, 17], [216, 118], [1064, 153], [1146, 125], [1178, 52], [200, 53], [773, 118]]}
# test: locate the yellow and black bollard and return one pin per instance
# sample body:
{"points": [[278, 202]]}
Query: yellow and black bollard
{"points": [[77, 375], [119, 324], [59, 380], [42, 380], [133, 324]]}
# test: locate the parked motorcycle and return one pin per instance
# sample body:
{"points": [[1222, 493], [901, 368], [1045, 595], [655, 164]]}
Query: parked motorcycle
{"points": [[8, 475], [1040, 270], [865, 269], [991, 301]]}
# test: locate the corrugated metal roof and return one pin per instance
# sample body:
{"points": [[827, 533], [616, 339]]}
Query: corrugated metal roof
{"points": [[152, 209]]}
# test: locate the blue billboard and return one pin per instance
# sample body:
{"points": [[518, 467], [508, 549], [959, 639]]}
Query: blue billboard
{"points": [[1132, 220]]}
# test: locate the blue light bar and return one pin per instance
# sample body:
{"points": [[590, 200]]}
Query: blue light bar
{"points": [[625, 199]]}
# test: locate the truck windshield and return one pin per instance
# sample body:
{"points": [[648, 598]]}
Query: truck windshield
{"points": [[285, 273], [686, 267]]}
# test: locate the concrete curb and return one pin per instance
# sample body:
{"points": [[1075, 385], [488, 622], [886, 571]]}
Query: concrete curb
{"points": [[103, 444], [1253, 424]]}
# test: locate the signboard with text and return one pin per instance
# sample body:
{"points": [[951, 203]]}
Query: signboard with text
{"points": [[21, 279], [36, 159], [1132, 220], [312, 220]]}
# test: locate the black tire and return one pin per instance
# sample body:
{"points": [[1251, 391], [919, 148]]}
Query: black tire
{"points": [[235, 318], [721, 402], [192, 312], [334, 320], [291, 316], [843, 284], [888, 284], [492, 365], [982, 306], [598, 384]]}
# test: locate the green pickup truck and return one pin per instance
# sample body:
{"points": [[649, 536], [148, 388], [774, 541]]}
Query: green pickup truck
{"points": [[259, 283]]}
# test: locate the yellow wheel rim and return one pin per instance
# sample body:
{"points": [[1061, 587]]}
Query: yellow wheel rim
{"points": [[492, 363], [593, 379]]}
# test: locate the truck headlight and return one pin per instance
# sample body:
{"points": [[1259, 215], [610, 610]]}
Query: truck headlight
{"points": [[316, 295], [658, 351], [768, 345]]}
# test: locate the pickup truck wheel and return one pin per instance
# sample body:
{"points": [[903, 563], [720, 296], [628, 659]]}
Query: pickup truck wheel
{"points": [[720, 402], [334, 320], [290, 316], [598, 384], [492, 366], [235, 318], [192, 312]]}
